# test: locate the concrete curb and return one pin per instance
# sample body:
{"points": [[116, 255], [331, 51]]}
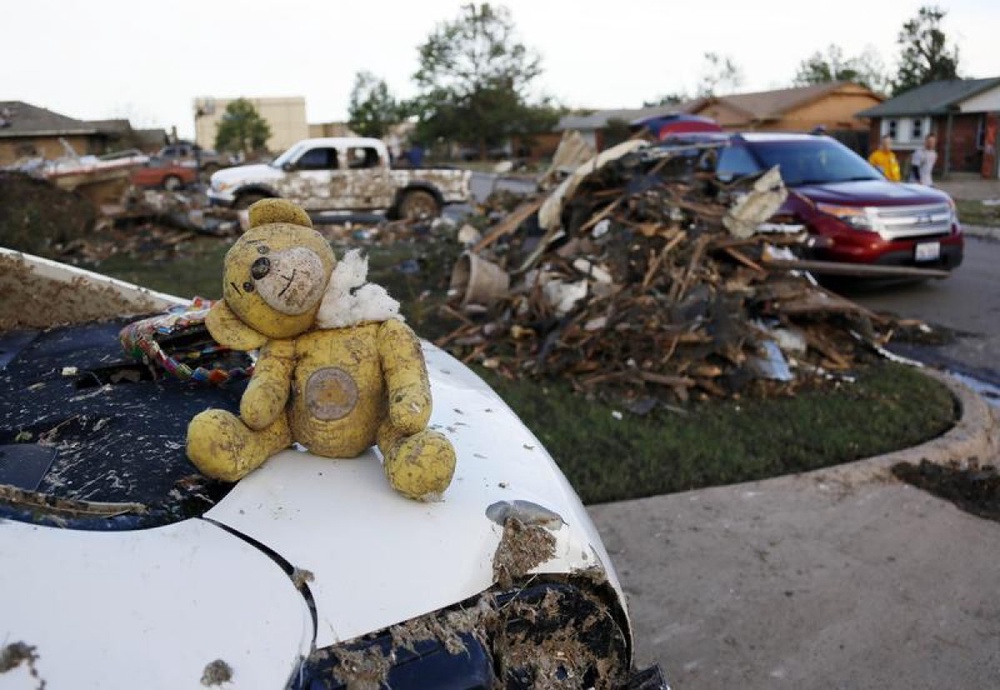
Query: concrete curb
{"points": [[975, 436]]}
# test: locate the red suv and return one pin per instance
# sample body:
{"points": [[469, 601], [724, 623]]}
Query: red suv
{"points": [[853, 213]]}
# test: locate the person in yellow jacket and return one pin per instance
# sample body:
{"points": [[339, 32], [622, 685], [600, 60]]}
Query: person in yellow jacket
{"points": [[885, 160]]}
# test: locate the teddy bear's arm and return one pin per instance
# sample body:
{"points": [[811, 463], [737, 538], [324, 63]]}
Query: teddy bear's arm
{"points": [[267, 393], [405, 375]]}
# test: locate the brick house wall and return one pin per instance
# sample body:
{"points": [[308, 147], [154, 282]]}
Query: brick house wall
{"points": [[966, 155], [13, 149]]}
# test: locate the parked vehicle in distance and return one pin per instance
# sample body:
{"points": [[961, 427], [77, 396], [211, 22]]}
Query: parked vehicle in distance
{"points": [[125, 157], [852, 211], [310, 573], [158, 172], [192, 155], [342, 174]]}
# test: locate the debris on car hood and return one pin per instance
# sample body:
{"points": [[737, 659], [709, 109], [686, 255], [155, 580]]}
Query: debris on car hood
{"points": [[643, 275]]}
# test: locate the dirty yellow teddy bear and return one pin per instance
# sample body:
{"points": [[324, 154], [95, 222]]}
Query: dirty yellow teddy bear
{"points": [[338, 370]]}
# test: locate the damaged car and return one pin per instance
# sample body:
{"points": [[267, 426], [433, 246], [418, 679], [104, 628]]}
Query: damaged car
{"points": [[125, 566], [343, 174]]}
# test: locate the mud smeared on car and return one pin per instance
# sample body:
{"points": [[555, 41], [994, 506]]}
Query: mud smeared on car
{"points": [[16, 653], [216, 673], [552, 634], [522, 548]]}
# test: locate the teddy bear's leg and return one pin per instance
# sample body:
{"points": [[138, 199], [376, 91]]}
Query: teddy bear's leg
{"points": [[418, 466], [221, 446]]}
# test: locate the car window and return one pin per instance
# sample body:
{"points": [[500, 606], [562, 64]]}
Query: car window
{"points": [[362, 157], [317, 159], [814, 161], [734, 162]]}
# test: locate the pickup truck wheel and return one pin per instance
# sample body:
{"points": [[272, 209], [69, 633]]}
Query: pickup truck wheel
{"points": [[418, 205], [172, 183], [245, 201]]}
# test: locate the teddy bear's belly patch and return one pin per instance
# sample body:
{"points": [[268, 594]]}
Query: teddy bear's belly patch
{"points": [[331, 393]]}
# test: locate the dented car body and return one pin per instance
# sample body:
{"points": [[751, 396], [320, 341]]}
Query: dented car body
{"points": [[124, 566], [342, 174]]}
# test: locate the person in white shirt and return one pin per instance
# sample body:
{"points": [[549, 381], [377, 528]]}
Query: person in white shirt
{"points": [[923, 160]]}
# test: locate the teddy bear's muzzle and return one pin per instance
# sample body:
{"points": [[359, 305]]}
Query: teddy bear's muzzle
{"points": [[291, 281]]}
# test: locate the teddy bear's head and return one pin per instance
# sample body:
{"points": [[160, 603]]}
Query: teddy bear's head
{"points": [[275, 274]]}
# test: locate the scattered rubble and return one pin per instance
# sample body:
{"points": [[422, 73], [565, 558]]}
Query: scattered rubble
{"points": [[41, 217], [643, 276]]}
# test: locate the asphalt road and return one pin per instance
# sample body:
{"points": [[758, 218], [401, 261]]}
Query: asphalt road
{"points": [[967, 303]]}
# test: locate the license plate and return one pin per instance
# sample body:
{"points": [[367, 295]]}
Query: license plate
{"points": [[928, 251]]}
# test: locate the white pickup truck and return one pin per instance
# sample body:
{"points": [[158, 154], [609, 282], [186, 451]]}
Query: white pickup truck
{"points": [[342, 174]]}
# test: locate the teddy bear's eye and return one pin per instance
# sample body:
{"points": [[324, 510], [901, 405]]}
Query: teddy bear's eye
{"points": [[248, 286], [260, 268]]}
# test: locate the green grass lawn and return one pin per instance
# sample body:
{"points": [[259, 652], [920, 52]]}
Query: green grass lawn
{"points": [[611, 455], [974, 212]]}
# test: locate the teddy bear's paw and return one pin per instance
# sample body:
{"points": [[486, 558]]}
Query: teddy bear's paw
{"points": [[410, 408], [223, 447], [421, 466]]}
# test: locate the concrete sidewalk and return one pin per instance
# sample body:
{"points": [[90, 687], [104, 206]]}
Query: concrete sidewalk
{"points": [[840, 578]]}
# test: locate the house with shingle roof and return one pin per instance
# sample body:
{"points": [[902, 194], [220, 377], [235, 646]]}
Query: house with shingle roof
{"points": [[963, 113], [595, 126], [832, 106], [28, 131]]}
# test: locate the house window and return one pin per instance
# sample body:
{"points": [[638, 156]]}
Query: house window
{"points": [[917, 129], [892, 129]]}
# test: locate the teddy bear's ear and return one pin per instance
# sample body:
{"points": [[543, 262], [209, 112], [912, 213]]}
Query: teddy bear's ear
{"points": [[227, 329], [268, 211]]}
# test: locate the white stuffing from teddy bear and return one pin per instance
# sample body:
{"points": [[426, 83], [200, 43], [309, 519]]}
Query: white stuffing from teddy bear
{"points": [[349, 299]]}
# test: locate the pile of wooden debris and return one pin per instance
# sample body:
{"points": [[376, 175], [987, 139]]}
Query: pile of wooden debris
{"points": [[644, 276]]}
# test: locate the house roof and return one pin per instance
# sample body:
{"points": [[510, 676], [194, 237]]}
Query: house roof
{"points": [[117, 126], [601, 118], [931, 99], [768, 105], [20, 119]]}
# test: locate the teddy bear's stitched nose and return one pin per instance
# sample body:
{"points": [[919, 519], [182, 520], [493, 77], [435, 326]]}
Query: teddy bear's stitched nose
{"points": [[260, 268]]}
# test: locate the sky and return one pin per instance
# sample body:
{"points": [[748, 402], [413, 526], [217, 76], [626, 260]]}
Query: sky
{"points": [[148, 61]]}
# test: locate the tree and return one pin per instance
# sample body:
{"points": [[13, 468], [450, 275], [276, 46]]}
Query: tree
{"points": [[667, 99], [821, 68], [372, 109], [474, 76], [242, 129], [719, 72], [925, 55]]}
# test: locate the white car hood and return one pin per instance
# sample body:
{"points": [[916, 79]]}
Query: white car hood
{"points": [[149, 608], [376, 558]]}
